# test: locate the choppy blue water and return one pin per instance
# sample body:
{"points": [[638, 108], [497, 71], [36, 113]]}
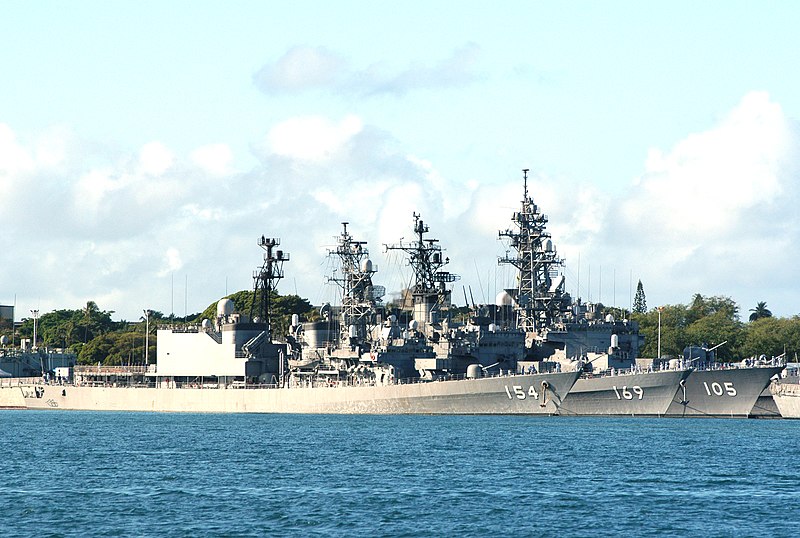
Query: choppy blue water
{"points": [[141, 474]]}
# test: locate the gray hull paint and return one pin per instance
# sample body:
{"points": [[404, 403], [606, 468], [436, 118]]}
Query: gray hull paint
{"points": [[641, 394], [765, 406], [721, 393], [518, 394]]}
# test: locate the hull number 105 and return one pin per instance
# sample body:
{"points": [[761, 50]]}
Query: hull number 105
{"points": [[627, 394], [719, 389], [518, 392]]}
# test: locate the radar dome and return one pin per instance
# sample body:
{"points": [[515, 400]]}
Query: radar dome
{"points": [[503, 299], [224, 307]]}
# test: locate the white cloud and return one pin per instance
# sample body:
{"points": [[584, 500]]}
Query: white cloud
{"points": [[300, 68], [155, 158], [214, 158], [711, 212], [14, 158], [304, 68], [706, 179], [128, 225], [312, 137], [172, 262]]}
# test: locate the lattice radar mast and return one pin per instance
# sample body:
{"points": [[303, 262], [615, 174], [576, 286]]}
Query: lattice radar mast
{"points": [[265, 280], [539, 296], [429, 290], [359, 296]]}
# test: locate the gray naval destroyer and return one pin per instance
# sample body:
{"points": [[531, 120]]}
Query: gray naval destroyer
{"points": [[577, 335], [615, 381], [357, 359]]}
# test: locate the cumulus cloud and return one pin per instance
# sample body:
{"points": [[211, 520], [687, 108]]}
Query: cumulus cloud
{"points": [[304, 68], [301, 68], [713, 214], [155, 158], [215, 159], [311, 137]]}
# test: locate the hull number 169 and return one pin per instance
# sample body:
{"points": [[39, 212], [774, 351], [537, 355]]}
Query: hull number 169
{"points": [[628, 394]]}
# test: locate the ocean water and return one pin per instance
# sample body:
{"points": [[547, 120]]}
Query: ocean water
{"points": [[141, 474]]}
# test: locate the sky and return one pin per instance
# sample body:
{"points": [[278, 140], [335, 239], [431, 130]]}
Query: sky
{"points": [[146, 146]]}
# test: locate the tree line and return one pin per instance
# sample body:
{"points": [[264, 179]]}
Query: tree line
{"points": [[706, 321], [710, 321]]}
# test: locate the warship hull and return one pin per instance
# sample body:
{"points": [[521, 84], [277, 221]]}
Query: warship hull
{"points": [[729, 392], [637, 394], [787, 399], [765, 406], [534, 394]]}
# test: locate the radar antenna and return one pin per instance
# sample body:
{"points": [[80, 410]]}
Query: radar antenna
{"points": [[359, 296], [265, 280], [429, 289], [539, 296]]}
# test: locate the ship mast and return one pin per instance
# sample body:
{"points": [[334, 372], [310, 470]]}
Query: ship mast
{"points": [[359, 295], [538, 297], [265, 280], [425, 257]]}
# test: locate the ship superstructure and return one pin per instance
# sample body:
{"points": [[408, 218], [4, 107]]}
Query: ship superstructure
{"points": [[539, 296], [358, 360], [486, 343], [558, 327], [579, 335]]}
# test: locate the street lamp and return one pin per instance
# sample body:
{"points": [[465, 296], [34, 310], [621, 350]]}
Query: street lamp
{"points": [[146, 337], [660, 308], [35, 319]]}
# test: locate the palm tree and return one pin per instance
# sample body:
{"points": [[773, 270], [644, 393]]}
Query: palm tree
{"points": [[760, 311]]}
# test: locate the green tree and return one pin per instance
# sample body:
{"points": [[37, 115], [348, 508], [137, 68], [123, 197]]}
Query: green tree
{"points": [[283, 306], [673, 331], [114, 349], [715, 329], [760, 311], [639, 301]]}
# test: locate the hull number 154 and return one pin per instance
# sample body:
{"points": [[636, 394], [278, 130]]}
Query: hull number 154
{"points": [[520, 393]]}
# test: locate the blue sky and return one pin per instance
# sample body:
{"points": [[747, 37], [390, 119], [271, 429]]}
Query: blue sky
{"points": [[144, 146]]}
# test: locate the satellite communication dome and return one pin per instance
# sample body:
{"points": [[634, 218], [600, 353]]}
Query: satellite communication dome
{"points": [[206, 324], [4, 340], [503, 299], [224, 307], [413, 325], [366, 266]]}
